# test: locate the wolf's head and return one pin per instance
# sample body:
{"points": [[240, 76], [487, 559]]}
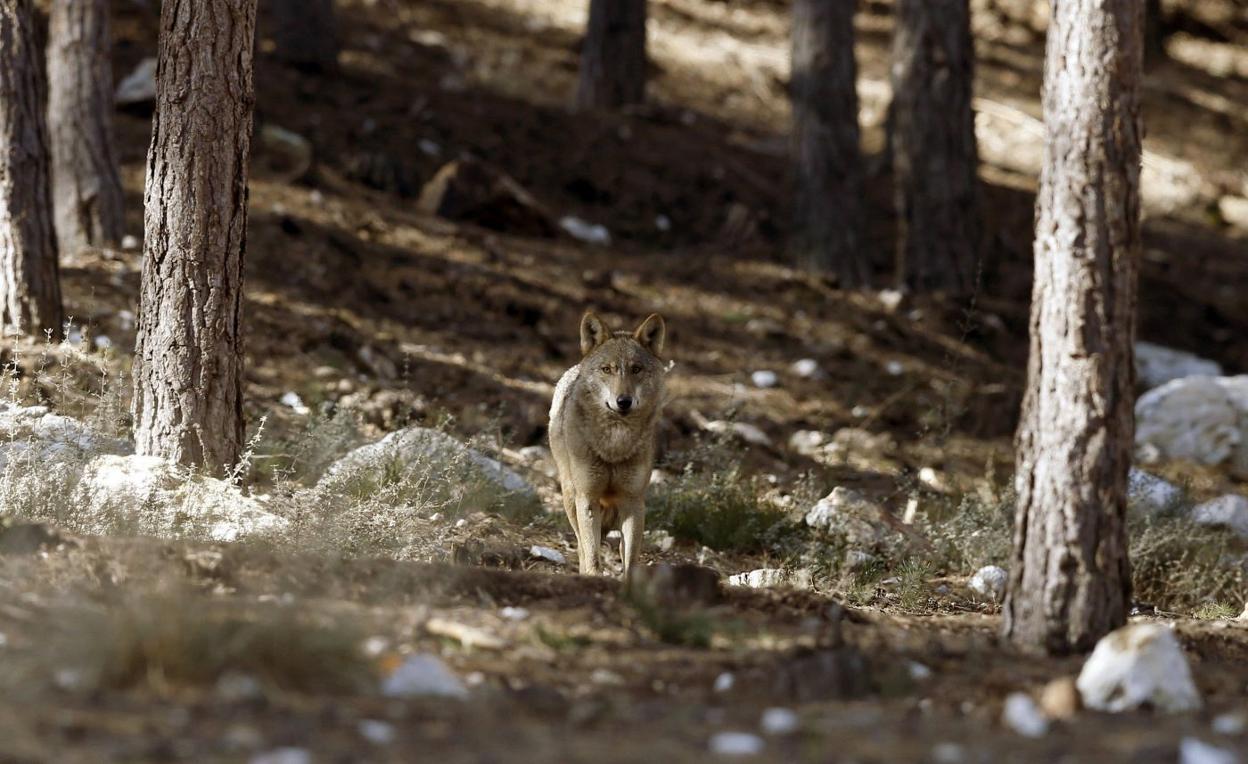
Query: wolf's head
{"points": [[622, 371]]}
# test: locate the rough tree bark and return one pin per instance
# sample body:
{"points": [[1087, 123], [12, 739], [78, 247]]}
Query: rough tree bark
{"points": [[613, 56], [189, 359], [827, 160], [86, 185], [933, 145], [1070, 579], [305, 34], [30, 290]]}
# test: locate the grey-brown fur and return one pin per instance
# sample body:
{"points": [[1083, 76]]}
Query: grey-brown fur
{"points": [[604, 455]]}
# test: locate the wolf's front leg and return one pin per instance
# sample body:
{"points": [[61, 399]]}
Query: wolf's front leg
{"points": [[632, 526], [588, 536]]}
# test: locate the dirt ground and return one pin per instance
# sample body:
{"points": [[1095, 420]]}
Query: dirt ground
{"points": [[357, 299]]}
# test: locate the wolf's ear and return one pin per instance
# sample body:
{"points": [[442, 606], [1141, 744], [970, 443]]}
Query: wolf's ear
{"points": [[652, 333], [594, 332]]}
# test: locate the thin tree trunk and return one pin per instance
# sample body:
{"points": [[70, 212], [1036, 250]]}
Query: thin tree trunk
{"points": [[1070, 579], [827, 159], [86, 185], [613, 58], [305, 34], [30, 290], [189, 360], [933, 143]]}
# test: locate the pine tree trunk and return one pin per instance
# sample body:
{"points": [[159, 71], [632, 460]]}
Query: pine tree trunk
{"points": [[30, 290], [933, 143], [189, 360], [613, 58], [827, 160], [1070, 578], [86, 185], [305, 34]]}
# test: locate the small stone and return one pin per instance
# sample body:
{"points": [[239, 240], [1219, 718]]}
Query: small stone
{"points": [[548, 554], [1230, 511], [663, 223], [1022, 715], [894, 368], [737, 744], [514, 613], [1060, 699], [779, 721], [129, 242], [295, 403], [429, 148], [766, 578], [1196, 751], [743, 430], [606, 676], [891, 299], [422, 675], [581, 230], [856, 559], [1139, 664], [376, 732], [234, 687], [1150, 495], [764, 378], [724, 682], [918, 672], [807, 441], [1232, 723], [806, 368], [287, 755], [989, 582]]}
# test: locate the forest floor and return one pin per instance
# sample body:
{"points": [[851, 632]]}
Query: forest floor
{"points": [[358, 302]]}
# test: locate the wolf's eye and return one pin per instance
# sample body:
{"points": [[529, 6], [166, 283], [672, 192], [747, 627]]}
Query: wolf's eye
{"points": [[636, 368], [606, 369]]}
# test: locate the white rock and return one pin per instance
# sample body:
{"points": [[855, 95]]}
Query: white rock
{"points": [[1232, 723], [764, 378], [779, 721], [1022, 715], [1230, 511], [1244, 615], [918, 672], [139, 86], [856, 559], [1196, 751], [663, 223], [514, 613], [891, 299], [129, 243], [989, 582], [293, 400], [894, 368], [606, 676], [862, 522], [766, 578], [1201, 419], [724, 682], [806, 368], [1156, 365], [807, 442], [747, 432], [417, 446], [376, 732], [546, 553], [287, 755], [1234, 210], [661, 540], [737, 744], [429, 148], [421, 675], [590, 233], [1139, 664], [1149, 494], [102, 342]]}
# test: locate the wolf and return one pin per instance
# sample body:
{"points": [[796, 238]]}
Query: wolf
{"points": [[603, 423]]}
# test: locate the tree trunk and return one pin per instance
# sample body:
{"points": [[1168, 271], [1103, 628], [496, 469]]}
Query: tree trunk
{"points": [[86, 185], [613, 57], [305, 34], [933, 142], [30, 290], [189, 360], [827, 160], [1070, 579]]}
